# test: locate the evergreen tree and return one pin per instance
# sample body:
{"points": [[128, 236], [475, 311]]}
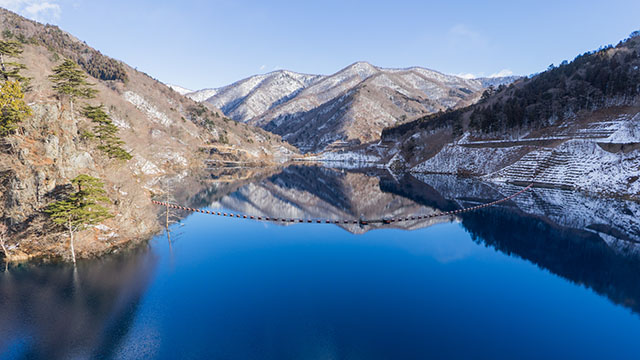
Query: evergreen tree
{"points": [[69, 80], [106, 132], [11, 70], [13, 109], [81, 208]]}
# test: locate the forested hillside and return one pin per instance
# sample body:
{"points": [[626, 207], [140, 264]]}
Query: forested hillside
{"points": [[573, 126], [594, 80]]}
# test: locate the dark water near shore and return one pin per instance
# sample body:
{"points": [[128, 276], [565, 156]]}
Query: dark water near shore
{"points": [[551, 274]]}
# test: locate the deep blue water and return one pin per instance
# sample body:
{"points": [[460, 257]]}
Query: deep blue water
{"points": [[239, 289]]}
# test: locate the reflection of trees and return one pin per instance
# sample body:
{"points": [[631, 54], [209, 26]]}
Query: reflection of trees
{"points": [[580, 256], [326, 184], [577, 255], [56, 313], [416, 190], [207, 192]]}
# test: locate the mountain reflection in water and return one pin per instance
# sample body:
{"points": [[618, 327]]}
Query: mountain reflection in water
{"points": [[101, 309], [590, 241]]}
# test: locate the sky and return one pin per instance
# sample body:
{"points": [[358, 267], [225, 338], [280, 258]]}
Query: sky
{"points": [[203, 44]]}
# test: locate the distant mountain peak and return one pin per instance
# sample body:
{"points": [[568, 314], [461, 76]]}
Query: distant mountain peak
{"points": [[363, 68], [353, 105]]}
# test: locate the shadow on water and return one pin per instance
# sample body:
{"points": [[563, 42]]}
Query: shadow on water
{"points": [[56, 312]]}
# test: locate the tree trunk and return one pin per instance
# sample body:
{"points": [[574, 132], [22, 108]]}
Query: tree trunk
{"points": [[73, 251], [72, 115], [4, 250], [4, 70]]}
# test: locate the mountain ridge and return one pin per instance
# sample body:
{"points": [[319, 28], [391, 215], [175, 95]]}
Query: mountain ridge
{"points": [[287, 107], [574, 126]]}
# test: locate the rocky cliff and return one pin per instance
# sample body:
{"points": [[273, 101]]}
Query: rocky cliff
{"points": [[167, 134]]}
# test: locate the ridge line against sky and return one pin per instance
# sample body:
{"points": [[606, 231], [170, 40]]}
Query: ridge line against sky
{"points": [[206, 44]]}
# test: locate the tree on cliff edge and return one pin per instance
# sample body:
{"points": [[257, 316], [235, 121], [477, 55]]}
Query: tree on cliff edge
{"points": [[70, 81], [106, 132], [10, 70], [80, 209], [13, 109]]}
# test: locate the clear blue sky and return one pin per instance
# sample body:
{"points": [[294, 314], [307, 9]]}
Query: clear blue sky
{"points": [[198, 44]]}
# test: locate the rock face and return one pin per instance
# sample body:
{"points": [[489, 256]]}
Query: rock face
{"points": [[35, 170], [350, 107], [167, 134]]}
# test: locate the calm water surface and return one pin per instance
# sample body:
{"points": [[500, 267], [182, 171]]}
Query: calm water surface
{"points": [[550, 275]]}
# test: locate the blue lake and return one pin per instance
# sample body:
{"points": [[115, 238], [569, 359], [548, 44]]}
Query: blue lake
{"points": [[523, 280]]}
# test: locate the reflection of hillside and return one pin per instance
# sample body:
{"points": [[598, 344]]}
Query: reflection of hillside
{"points": [[586, 240], [578, 255], [224, 181], [237, 174], [616, 222], [316, 192], [65, 314]]}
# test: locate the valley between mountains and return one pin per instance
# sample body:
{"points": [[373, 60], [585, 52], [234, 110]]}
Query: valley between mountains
{"points": [[574, 126]]}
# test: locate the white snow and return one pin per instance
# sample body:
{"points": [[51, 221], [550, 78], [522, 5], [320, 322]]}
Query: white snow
{"points": [[141, 165], [454, 159], [580, 164], [143, 105], [179, 89]]}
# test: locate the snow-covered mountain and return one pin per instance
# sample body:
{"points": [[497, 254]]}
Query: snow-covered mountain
{"points": [[498, 80], [179, 89], [251, 97], [351, 106], [576, 126], [355, 104]]}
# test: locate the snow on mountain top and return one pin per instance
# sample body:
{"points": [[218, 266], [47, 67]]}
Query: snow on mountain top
{"points": [[179, 89], [202, 95], [250, 97]]}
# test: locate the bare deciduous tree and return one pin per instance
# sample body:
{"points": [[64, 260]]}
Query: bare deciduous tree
{"points": [[3, 236]]}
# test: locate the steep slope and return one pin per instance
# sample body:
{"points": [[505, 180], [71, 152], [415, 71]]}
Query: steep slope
{"points": [[354, 105], [576, 126], [179, 89], [162, 130], [350, 107], [251, 97], [497, 81]]}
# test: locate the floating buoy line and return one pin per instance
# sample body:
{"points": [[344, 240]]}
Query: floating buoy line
{"points": [[333, 221]]}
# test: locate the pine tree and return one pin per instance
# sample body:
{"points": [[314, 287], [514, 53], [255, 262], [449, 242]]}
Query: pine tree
{"points": [[69, 80], [81, 208], [106, 132], [11, 70], [13, 109]]}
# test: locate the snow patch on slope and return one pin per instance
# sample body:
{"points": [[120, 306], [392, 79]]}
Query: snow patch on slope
{"points": [[454, 159], [143, 105], [179, 89]]}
